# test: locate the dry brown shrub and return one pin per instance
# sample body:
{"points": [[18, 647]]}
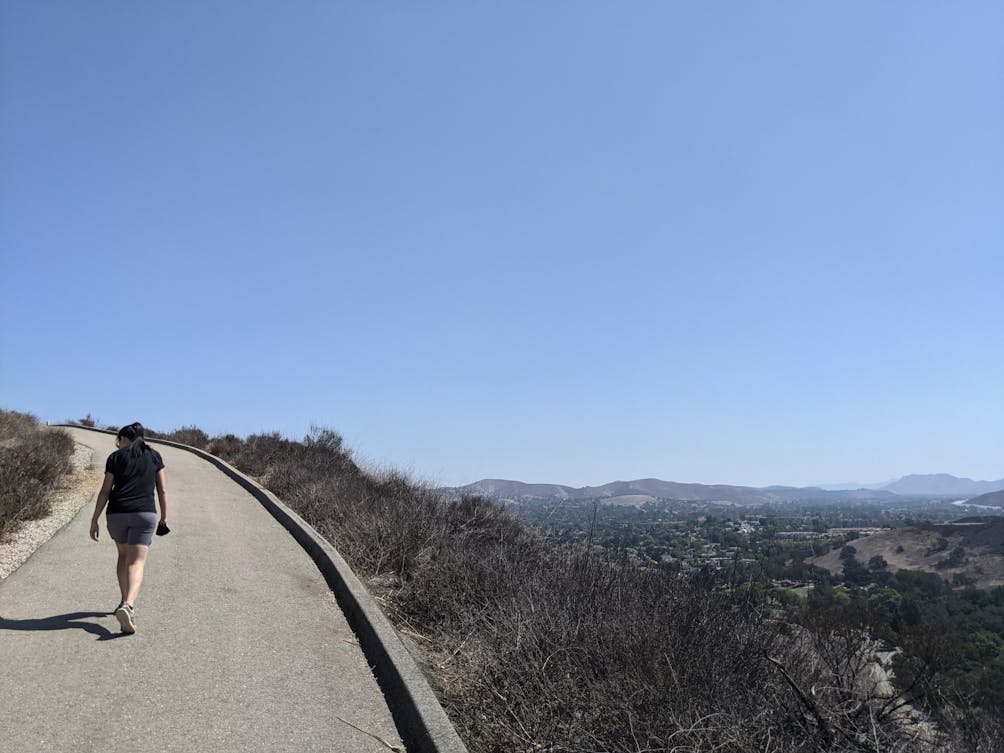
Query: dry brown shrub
{"points": [[188, 435], [32, 460], [533, 647]]}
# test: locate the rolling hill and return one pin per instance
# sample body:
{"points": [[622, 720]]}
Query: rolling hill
{"points": [[993, 499], [617, 492], [934, 486], [928, 546]]}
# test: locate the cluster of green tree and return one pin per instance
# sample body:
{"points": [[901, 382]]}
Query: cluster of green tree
{"points": [[956, 633], [785, 560]]}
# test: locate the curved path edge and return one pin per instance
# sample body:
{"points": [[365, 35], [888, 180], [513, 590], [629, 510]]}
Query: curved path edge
{"points": [[420, 719]]}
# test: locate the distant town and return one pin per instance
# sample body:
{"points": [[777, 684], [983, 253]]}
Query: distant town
{"points": [[778, 542]]}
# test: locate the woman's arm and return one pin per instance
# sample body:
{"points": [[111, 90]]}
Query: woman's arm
{"points": [[106, 489], [162, 495]]}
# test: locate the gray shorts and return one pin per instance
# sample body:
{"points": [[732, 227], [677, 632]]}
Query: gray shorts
{"points": [[132, 527]]}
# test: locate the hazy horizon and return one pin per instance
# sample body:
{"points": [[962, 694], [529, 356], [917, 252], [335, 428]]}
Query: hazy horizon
{"points": [[825, 485]]}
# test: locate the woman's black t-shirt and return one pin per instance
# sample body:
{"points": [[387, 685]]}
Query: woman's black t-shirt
{"points": [[135, 479]]}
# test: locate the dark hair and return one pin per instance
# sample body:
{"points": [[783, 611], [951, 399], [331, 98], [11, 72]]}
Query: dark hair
{"points": [[134, 434]]}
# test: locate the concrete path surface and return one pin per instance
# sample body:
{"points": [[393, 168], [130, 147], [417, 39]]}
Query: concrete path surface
{"points": [[240, 645]]}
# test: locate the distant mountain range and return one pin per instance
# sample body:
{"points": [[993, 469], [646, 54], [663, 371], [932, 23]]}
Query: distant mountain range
{"points": [[942, 485], [633, 492]]}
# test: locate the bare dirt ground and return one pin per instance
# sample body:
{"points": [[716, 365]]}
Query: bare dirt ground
{"points": [[77, 489]]}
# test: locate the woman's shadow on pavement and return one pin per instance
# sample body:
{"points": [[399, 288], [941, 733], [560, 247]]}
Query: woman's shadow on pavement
{"points": [[69, 621]]}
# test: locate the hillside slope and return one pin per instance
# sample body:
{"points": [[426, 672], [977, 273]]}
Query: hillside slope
{"points": [[924, 547], [993, 499]]}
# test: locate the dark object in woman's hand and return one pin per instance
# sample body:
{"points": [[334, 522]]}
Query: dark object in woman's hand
{"points": [[162, 529]]}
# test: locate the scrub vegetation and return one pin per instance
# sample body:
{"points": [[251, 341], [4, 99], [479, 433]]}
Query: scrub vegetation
{"points": [[538, 646], [534, 645], [32, 460]]}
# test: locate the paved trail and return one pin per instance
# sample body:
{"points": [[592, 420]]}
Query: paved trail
{"points": [[240, 644]]}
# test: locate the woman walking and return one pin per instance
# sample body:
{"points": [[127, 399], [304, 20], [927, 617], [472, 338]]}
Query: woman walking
{"points": [[132, 473]]}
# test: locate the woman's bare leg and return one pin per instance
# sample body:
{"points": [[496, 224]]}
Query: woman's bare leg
{"points": [[122, 571], [135, 562], [129, 569]]}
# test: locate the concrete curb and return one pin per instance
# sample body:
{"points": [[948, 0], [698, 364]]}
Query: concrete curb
{"points": [[420, 719]]}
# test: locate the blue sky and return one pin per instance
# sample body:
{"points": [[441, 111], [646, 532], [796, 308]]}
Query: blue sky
{"points": [[570, 242]]}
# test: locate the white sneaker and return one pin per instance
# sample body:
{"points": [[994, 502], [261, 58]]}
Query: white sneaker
{"points": [[126, 618]]}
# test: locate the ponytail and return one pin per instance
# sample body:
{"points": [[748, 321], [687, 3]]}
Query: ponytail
{"points": [[134, 434]]}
